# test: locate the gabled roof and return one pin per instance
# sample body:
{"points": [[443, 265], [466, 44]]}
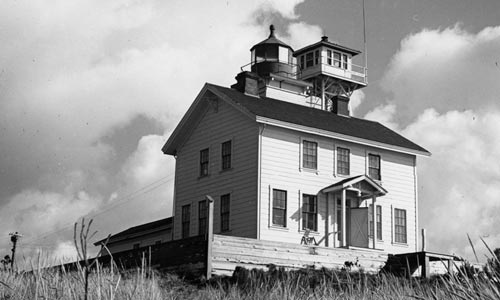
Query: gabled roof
{"points": [[360, 182], [146, 228], [298, 117]]}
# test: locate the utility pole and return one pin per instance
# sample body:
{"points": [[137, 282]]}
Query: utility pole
{"points": [[14, 237]]}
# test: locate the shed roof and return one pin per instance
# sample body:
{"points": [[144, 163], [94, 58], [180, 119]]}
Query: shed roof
{"points": [[143, 228]]}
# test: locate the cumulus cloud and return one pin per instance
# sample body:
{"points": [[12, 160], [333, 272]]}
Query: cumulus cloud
{"points": [[449, 69], [75, 74], [444, 86]]}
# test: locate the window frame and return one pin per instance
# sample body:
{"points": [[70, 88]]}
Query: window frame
{"points": [[225, 165], [400, 226], [378, 220], [303, 154], [345, 60], [225, 212], [329, 57], [338, 161], [204, 164], [202, 217], [280, 207], [309, 59], [337, 59], [370, 168], [307, 215], [185, 220]]}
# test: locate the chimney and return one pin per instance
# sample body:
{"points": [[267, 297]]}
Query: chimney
{"points": [[340, 105], [247, 83]]}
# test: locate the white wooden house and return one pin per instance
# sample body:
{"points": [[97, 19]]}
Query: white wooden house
{"points": [[281, 156]]}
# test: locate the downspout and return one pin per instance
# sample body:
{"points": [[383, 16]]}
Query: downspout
{"points": [[259, 183]]}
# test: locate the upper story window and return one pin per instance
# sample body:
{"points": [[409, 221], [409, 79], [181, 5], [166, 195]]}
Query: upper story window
{"points": [[344, 61], [400, 225], [224, 212], [374, 166], [302, 62], [310, 212], [186, 218], [204, 162], [226, 155], [343, 164], [309, 59], [336, 59], [329, 58], [309, 154], [279, 208]]}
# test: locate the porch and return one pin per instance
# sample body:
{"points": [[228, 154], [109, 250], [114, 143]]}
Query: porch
{"points": [[355, 225]]}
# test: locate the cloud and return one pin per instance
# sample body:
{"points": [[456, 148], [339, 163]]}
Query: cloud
{"points": [[448, 69], [355, 101], [444, 96], [74, 75], [459, 183]]}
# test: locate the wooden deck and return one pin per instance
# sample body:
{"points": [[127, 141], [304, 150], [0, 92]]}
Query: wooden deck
{"points": [[229, 252]]}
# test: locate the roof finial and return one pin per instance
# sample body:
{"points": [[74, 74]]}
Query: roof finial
{"points": [[271, 28]]}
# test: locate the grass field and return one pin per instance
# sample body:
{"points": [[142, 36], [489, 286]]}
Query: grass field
{"points": [[144, 283]]}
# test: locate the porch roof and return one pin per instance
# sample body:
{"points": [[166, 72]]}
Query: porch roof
{"points": [[361, 183]]}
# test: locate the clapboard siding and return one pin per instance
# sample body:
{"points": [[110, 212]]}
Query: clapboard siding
{"points": [[215, 127], [230, 252], [281, 169]]}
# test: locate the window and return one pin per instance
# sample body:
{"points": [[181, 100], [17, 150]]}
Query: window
{"points": [[309, 154], [329, 58], [400, 225], [224, 212], [336, 59], [374, 166], [378, 217], [202, 217], [344, 61], [309, 212], [309, 59], [343, 161], [204, 162], [186, 216], [226, 155], [279, 208], [302, 65], [316, 57]]}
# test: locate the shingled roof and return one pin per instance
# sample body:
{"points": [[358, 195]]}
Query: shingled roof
{"points": [[320, 119]]}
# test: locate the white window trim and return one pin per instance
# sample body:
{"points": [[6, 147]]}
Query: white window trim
{"points": [[270, 224], [367, 165], [221, 141], [341, 145], [301, 157], [230, 211], [393, 214], [301, 201]]}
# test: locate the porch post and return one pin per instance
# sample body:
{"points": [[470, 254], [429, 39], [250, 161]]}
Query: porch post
{"points": [[342, 203], [374, 219]]}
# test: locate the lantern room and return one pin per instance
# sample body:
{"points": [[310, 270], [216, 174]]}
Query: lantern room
{"points": [[272, 56]]}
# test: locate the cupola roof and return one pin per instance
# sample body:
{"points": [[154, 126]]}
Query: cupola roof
{"points": [[271, 40]]}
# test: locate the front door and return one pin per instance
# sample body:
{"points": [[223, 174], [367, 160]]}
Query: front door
{"points": [[358, 224]]}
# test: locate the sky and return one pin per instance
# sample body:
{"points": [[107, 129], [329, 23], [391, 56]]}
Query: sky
{"points": [[91, 90]]}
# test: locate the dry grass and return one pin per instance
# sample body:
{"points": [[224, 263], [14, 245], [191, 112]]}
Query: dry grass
{"points": [[143, 283]]}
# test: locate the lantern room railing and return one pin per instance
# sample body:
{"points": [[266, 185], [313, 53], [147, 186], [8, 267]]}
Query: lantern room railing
{"points": [[337, 69]]}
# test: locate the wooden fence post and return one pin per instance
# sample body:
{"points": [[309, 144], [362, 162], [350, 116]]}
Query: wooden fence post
{"points": [[210, 235]]}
